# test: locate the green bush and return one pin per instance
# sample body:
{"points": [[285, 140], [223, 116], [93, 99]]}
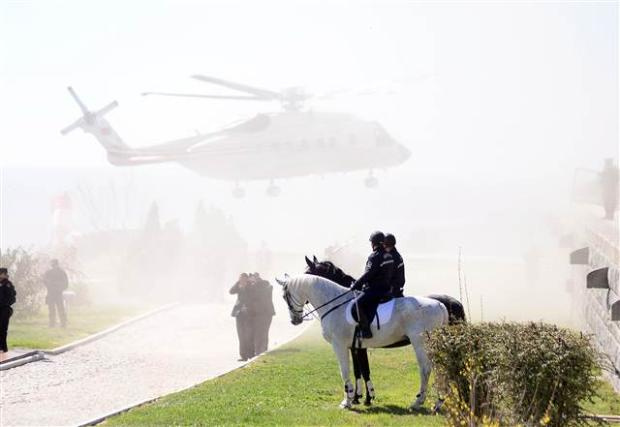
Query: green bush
{"points": [[25, 269], [514, 374]]}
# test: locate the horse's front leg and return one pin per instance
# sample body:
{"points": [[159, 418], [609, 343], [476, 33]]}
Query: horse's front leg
{"points": [[343, 359]]}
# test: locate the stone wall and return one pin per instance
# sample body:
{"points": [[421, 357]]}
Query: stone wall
{"points": [[592, 307]]}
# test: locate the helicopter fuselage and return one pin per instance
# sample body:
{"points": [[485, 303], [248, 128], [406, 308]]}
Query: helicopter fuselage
{"points": [[289, 144], [268, 146]]}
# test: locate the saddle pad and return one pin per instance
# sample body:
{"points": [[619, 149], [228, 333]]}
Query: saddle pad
{"points": [[384, 311]]}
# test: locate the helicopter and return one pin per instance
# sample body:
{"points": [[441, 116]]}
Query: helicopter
{"points": [[269, 146]]}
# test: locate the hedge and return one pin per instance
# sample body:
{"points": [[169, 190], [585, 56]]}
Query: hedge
{"points": [[514, 374]]}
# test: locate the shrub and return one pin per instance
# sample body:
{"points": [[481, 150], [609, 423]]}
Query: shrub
{"points": [[25, 269], [514, 374]]}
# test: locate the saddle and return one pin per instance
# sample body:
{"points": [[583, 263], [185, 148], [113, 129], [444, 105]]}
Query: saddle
{"points": [[382, 315]]}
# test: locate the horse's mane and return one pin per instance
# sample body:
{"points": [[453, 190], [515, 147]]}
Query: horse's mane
{"points": [[306, 279], [332, 272], [338, 271]]}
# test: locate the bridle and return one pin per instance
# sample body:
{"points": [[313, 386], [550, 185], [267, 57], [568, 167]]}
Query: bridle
{"points": [[292, 303]]}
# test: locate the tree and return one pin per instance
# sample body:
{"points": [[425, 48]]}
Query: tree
{"points": [[25, 269]]}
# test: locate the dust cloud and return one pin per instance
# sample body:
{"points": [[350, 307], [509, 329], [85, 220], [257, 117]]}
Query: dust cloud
{"points": [[497, 104]]}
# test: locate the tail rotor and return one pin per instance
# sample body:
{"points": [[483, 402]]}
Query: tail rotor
{"points": [[95, 124], [88, 118]]}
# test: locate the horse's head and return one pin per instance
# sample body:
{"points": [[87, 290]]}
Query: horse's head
{"points": [[328, 270], [318, 268], [295, 306]]}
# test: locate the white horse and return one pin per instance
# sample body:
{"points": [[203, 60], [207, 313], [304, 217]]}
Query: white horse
{"points": [[411, 318]]}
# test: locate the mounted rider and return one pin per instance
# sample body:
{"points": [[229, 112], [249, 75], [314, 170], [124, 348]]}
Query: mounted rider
{"points": [[375, 282], [398, 278]]}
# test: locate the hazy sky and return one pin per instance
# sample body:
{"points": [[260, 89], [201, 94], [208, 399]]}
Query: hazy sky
{"points": [[488, 94]]}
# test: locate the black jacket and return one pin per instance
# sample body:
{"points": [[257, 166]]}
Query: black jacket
{"points": [[262, 303], [56, 281], [7, 293], [398, 278], [379, 271], [243, 299]]}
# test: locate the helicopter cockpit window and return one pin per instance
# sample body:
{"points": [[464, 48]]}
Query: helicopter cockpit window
{"points": [[256, 124]]}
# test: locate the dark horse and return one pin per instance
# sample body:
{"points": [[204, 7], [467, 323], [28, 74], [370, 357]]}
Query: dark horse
{"points": [[361, 366]]}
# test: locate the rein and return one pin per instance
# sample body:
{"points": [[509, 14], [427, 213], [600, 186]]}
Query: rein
{"points": [[290, 298], [333, 270], [335, 307], [329, 302]]}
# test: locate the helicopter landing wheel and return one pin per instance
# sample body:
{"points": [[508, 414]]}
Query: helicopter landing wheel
{"points": [[238, 193], [371, 181], [273, 190]]}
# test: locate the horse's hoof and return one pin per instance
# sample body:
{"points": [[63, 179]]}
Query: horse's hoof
{"points": [[356, 400], [369, 400], [437, 406], [416, 406], [345, 404]]}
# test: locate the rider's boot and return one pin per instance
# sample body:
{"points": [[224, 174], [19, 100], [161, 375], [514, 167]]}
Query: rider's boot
{"points": [[364, 325]]}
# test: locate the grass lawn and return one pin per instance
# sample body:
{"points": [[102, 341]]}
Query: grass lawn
{"points": [[608, 402], [34, 333], [299, 384]]}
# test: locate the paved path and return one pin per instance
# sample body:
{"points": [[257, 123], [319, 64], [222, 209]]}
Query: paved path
{"points": [[164, 353]]}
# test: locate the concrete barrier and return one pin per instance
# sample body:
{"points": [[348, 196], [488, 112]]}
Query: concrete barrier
{"points": [[22, 359]]}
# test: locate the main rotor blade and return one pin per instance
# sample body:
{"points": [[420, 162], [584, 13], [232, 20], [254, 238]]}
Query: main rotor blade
{"points": [[194, 95], [264, 93], [78, 101], [112, 105]]}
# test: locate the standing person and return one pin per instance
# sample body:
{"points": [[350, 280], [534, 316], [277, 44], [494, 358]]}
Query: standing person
{"points": [[375, 280], [243, 317], [7, 299], [398, 278], [263, 314], [609, 185], [56, 281]]}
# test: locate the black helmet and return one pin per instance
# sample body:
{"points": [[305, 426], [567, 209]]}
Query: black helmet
{"points": [[390, 240], [377, 238]]}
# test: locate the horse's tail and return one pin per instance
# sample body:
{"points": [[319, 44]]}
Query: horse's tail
{"points": [[456, 312]]}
